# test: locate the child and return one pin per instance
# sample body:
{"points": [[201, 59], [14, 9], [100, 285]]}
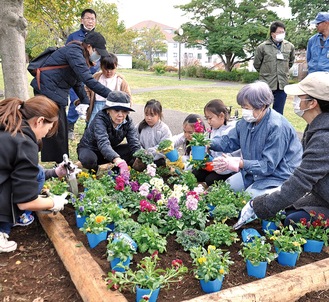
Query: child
{"points": [[109, 77], [217, 117], [152, 130], [182, 139]]}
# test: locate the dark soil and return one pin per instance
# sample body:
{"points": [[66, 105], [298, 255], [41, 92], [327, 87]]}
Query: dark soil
{"points": [[34, 272]]}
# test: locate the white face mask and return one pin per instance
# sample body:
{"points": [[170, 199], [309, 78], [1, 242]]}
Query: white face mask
{"points": [[248, 115], [94, 57], [280, 37], [296, 106]]}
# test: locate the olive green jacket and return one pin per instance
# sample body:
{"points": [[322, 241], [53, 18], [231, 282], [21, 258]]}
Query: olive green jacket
{"points": [[274, 71]]}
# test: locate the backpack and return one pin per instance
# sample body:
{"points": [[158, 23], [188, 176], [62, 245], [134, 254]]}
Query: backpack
{"points": [[35, 68]]}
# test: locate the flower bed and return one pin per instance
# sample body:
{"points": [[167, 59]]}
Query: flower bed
{"points": [[189, 287]]}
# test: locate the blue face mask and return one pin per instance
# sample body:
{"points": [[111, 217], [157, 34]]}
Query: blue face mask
{"points": [[94, 57]]}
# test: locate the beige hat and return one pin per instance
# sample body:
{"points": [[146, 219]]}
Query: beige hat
{"points": [[316, 85]]}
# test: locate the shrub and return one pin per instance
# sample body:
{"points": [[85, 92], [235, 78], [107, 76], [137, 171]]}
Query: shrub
{"points": [[250, 77], [140, 64]]}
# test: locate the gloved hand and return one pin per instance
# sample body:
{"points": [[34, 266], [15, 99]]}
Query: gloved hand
{"points": [[123, 167], [59, 202], [226, 162], [247, 215], [82, 110]]}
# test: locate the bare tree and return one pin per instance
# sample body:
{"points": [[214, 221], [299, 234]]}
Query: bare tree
{"points": [[12, 48]]}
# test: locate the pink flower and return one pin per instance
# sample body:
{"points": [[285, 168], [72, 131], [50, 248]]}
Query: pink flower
{"points": [[198, 126]]}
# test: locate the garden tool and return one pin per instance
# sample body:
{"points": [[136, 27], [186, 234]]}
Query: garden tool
{"points": [[72, 171]]}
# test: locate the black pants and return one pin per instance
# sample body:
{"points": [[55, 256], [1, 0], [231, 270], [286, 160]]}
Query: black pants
{"points": [[54, 147], [92, 159], [209, 177]]}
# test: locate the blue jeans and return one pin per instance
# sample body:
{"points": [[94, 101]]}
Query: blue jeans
{"points": [[72, 114], [5, 227], [279, 100]]}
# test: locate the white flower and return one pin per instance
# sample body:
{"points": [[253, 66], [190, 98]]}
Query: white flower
{"points": [[144, 189]]}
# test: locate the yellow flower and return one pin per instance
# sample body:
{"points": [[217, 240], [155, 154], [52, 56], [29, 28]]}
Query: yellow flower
{"points": [[202, 260], [88, 230], [276, 232], [211, 248], [295, 243], [221, 271], [99, 219]]}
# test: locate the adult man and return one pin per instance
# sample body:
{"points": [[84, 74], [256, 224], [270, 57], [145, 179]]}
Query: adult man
{"points": [[273, 59], [88, 23], [318, 45]]}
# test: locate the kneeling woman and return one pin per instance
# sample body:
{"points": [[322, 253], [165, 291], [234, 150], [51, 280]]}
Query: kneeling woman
{"points": [[101, 142]]}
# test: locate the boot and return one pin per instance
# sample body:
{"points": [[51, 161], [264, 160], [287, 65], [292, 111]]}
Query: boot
{"points": [[5, 245], [71, 132]]}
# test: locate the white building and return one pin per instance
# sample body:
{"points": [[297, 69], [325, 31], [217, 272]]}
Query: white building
{"points": [[188, 55]]}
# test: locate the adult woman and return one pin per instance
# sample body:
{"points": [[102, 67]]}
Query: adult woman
{"points": [[269, 146], [308, 187], [22, 125], [109, 78], [101, 142], [75, 58]]}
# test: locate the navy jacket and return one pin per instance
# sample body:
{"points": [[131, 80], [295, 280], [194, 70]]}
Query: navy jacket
{"points": [[102, 136], [56, 83]]}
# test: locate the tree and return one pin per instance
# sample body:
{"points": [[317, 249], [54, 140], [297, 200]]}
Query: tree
{"points": [[118, 39], [303, 12], [151, 43], [230, 29], [12, 48]]}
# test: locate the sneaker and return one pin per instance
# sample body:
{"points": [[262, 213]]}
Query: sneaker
{"points": [[71, 135], [24, 220], [5, 245]]}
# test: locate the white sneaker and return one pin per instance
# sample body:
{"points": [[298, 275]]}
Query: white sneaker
{"points": [[5, 245]]}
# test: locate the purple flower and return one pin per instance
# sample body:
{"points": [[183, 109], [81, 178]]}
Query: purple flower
{"points": [[174, 208], [134, 186]]}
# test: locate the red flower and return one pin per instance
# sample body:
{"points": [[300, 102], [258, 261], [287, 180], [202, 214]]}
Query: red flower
{"points": [[312, 213], [321, 216], [209, 166], [198, 126], [145, 297], [176, 263], [303, 221], [156, 253]]}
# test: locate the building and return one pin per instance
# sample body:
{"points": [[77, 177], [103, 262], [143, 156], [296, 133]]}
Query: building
{"points": [[194, 55]]}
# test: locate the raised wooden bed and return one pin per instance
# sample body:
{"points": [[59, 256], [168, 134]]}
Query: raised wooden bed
{"points": [[88, 277]]}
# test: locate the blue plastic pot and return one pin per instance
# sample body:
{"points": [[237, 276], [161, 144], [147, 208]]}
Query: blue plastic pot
{"points": [[198, 152], [140, 292], [211, 286], [269, 226], [257, 271], [116, 261], [80, 220], [249, 234], [287, 259], [95, 239], [125, 237], [172, 155], [313, 246]]}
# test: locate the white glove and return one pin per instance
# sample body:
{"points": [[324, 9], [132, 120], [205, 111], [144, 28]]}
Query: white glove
{"points": [[59, 202], [226, 162], [247, 215], [82, 110]]}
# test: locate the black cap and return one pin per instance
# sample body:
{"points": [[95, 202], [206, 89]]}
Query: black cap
{"points": [[97, 41], [118, 100]]}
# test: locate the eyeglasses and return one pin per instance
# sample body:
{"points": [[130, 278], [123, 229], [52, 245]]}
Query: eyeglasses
{"points": [[89, 19]]}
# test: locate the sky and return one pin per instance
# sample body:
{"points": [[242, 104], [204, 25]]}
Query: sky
{"points": [[161, 11]]}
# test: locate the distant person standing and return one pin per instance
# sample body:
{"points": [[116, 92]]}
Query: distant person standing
{"points": [[88, 23], [273, 59], [318, 45]]}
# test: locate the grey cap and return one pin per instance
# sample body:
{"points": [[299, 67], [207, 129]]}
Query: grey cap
{"points": [[118, 100]]}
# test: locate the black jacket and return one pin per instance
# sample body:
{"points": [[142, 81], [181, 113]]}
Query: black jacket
{"points": [[102, 136], [19, 170], [56, 83]]}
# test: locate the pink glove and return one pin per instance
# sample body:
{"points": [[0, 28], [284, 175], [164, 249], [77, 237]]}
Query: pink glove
{"points": [[225, 162], [123, 168]]}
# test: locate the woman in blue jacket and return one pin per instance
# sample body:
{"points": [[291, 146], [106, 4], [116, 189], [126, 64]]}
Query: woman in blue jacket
{"points": [[269, 146], [73, 62]]}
